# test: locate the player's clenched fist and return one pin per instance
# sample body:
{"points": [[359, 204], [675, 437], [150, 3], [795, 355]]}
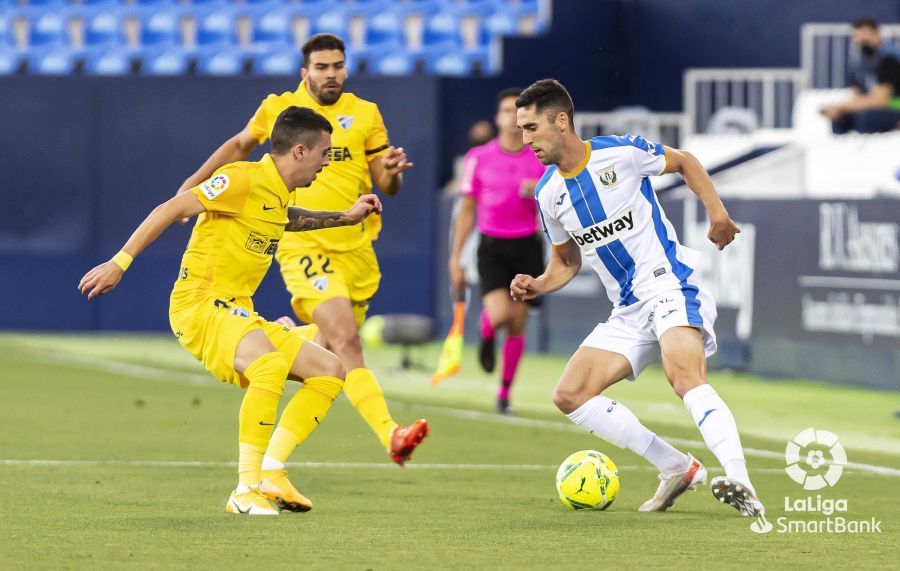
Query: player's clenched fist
{"points": [[365, 205], [101, 279], [722, 231], [524, 288]]}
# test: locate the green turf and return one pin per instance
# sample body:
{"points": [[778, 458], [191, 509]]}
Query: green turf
{"points": [[111, 400]]}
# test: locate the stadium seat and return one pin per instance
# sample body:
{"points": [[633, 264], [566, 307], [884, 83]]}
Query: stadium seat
{"points": [[441, 28], [285, 61], [220, 62], [10, 60], [217, 27], [396, 63], [55, 61], [280, 24], [169, 61], [272, 25], [103, 26], [384, 27], [113, 61], [6, 28], [160, 27], [47, 27], [157, 3], [333, 21], [451, 63], [45, 3]]}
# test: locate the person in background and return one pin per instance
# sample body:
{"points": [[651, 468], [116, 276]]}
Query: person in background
{"points": [[874, 106], [498, 182]]}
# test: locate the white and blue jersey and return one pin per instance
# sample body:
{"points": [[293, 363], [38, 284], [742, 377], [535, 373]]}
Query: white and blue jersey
{"points": [[608, 207]]}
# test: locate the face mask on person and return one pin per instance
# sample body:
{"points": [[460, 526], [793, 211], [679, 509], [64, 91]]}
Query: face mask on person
{"points": [[867, 50]]}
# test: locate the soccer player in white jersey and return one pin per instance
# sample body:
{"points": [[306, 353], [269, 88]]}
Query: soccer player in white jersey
{"points": [[596, 204]]}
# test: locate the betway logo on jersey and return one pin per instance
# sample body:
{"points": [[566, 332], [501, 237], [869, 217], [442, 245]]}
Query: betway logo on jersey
{"points": [[609, 230]]}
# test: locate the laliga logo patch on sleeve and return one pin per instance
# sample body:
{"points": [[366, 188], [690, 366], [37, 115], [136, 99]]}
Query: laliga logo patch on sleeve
{"points": [[215, 186]]}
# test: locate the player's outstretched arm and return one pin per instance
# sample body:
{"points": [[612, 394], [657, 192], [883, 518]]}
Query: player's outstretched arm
{"points": [[565, 261], [106, 276], [234, 149], [387, 170], [303, 220], [722, 228]]}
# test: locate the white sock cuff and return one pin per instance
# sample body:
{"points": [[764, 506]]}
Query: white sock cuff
{"points": [[582, 413], [697, 393]]}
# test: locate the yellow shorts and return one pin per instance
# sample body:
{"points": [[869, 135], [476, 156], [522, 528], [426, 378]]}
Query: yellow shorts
{"points": [[313, 276], [211, 329]]}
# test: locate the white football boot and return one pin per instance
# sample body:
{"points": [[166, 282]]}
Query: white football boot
{"points": [[674, 484]]}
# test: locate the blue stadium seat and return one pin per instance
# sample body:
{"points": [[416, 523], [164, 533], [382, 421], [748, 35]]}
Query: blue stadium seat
{"points": [[394, 63], [97, 3], [333, 21], [441, 28], [169, 61], [226, 61], [103, 26], [160, 26], [272, 26], [285, 61], [45, 3], [112, 61], [452, 63], [208, 3], [47, 27], [156, 3], [10, 60], [217, 27], [6, 28], [507, 22], [54, 61], [384, 27]]}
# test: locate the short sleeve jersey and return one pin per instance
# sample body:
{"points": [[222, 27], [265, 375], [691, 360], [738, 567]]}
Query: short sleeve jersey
{"points": [[359, 137], [232, 243], [608, 207]]}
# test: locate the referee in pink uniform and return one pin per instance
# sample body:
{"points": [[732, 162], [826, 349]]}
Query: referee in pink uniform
{"points": [[497, 188]]}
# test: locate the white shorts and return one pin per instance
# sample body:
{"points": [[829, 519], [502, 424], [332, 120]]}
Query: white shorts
{"points": [[634, 331]]}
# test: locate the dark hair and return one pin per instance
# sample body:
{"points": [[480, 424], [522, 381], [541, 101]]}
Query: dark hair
{"points": [[548, 95], [865, 23], [321, 43], [508, 92], [297, 126]]}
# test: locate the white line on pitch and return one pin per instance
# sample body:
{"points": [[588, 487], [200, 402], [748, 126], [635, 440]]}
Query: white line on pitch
{"points": [[159, 373], [327, 465]]}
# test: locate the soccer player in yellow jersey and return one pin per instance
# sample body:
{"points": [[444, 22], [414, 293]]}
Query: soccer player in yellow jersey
{"points": [[332, 275], [243, 212]]}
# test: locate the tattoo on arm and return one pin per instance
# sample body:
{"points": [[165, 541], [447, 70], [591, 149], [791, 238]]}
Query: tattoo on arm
{"points": [[302, 220]]}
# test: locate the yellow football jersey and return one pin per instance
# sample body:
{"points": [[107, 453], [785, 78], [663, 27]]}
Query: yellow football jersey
{"points": [[359, 136], [232, 244]]}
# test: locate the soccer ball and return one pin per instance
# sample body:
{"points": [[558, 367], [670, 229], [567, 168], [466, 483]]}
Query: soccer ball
{"points": [[587, 480]]}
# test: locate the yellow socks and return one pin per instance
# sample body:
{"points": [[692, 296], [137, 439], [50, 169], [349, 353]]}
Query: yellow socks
{"points": [[367, 398], [301, 416], [256, 420]]}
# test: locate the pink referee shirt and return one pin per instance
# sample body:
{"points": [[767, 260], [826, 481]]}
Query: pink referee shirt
{"points": [[494, 178]]}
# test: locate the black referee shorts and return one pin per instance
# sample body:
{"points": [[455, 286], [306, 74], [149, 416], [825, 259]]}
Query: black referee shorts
{"points": [[500, 259]]}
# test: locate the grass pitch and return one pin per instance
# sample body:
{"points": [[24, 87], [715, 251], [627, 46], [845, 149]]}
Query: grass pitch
{"points": [[119, 451]]}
